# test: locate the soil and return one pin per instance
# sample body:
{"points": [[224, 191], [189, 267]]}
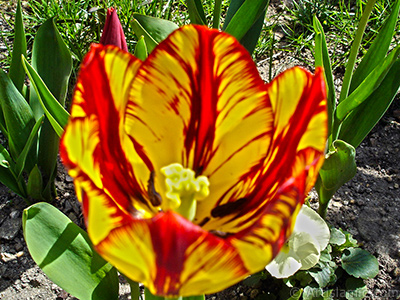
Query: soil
{"points": [[368, 206]]}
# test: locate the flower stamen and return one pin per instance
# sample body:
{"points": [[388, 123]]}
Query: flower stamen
{"points": [[184, 189]]}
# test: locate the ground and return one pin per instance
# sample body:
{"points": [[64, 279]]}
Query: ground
{"points": [[368, 206]]}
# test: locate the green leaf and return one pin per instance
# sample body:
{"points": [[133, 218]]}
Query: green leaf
{"points": [[153, 29], [296, 294], [7, 175], [32, 139], [362, 119], [322, 276], [3, 127], [245, 16], [355, 289], [35, 184], [350, 242], [303, 277], [53, 62], [196, 12], [327, 295], [360, 263], [64, 252], [254, 279], [378, 50], [337, 237], [18, 115], [53, 110], [325, 254], [322, 60], [355, 46], [368, 86], [47, 158], [216, 14], [338, 168], [312, 293], [17, 73], [249, 40], [141, 49]]}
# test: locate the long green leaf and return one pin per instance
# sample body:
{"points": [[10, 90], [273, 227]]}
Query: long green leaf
{"points": [[368, 86], [378, 49], [322, 60], [154, 30], [64, 252], [217, 14], [244, 18], [7, 175], [35, 184], [362, 119], [53, 62], [196, 12], [18, 115], [348, 74], [250, 38], [20, 164], [232, 9], [54, 111], [17, 73]]}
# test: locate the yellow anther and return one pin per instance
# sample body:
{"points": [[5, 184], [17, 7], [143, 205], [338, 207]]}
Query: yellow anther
{"points": [[184, 189]]}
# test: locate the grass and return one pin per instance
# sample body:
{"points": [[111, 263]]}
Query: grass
{"points": [[80, 23], [339, 19]]}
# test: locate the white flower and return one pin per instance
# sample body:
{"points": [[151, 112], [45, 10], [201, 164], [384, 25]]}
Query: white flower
{"points": [[302, 250]]}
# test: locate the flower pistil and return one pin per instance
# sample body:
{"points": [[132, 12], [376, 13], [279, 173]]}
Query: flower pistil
{"points": [[184, 189]]}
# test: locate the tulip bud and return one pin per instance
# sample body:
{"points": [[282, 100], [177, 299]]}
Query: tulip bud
{"points": [[113, 33]]}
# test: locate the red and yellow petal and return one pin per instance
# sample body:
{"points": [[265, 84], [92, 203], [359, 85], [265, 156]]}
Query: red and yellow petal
{"points": [[298, 103], [198, 100], [95, 146], [261, 242], [171, 256]]}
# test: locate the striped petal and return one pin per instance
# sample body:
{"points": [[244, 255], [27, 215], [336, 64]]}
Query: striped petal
{"points": [[299, 133], [94, 144], [172, 256], [198, 100]]}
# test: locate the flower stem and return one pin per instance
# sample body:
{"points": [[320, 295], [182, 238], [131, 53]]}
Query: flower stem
{"points": [[135, 289]]}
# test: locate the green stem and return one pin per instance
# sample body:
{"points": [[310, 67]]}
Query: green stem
{"points": [[135, 290], [336, 125], [354, 50], [322, 209], [175, 298], [217, 14]]}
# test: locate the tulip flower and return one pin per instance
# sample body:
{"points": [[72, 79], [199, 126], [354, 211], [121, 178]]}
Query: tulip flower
{"points": [[113, 34], [303, 249], [190, 169]]}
